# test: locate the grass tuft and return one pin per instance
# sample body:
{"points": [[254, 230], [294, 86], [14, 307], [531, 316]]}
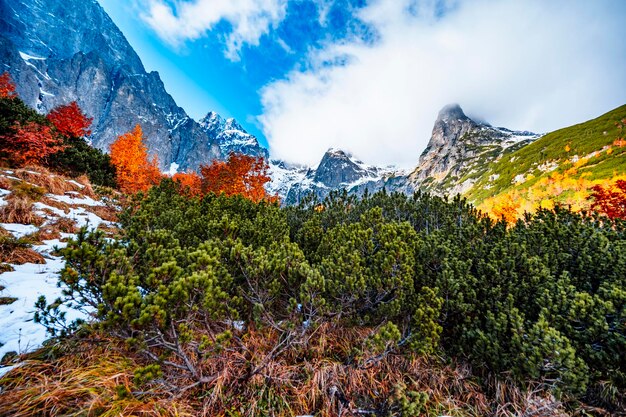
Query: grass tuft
{"points": [[19, 210]]}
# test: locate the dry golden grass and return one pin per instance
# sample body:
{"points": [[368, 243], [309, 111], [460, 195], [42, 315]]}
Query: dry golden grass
{"points": [[64, 225], [88, 189], [47, 233], [4, 267], [16, 251], [54, 184], [19, 210], [320, 376], [5, 183], [109, 231], [95, 380], [20, 256], [107, 213], [323, 376]]}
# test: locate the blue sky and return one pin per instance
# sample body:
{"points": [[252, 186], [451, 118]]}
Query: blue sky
{"points": [[369, 76], [201, 77]]}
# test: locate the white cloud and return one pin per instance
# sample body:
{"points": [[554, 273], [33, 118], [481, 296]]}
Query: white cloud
{"points": [[531, 65], [186, 20]]}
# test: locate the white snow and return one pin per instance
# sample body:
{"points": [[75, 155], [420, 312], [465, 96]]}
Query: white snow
{"points": [[519, 179], [284, 177], [173, 169], [69, 199], [19, 230], [18, 331], [46, 76], [27, 283], [76, 183], [27, 57]]}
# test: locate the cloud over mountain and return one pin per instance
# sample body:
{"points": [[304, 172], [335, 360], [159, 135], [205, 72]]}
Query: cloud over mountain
{"points": [[523, 64]]}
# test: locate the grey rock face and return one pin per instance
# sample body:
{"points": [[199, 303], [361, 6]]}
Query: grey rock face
{"points": [[58, 51], [460, 149], [336, 171], [231, 137], [337, 168]]}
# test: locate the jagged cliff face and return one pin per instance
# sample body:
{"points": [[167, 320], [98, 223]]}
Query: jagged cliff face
{"points": [[336, 171], [59, 51], [231, 137], [460, 150]]}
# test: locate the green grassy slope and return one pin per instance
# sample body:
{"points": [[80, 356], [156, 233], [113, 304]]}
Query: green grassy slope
{"points": [[559, 149]]}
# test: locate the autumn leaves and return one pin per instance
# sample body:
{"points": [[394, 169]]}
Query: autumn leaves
{"points": [[32, 140], [27, 138], [240, 174], [129, 155]]}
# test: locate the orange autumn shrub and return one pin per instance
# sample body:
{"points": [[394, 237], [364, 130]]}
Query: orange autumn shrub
{"points": [[31, 143], [190, 182], [129, 156], [239, 175], [7, 88]]}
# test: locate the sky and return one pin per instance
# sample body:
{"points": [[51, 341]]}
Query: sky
{"points": [[369, 76]]}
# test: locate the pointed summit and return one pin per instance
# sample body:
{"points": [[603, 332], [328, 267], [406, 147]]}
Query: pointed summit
{"points": [[231, 136], [451, 112], [232, 124], [212, 122], [339, 167]]}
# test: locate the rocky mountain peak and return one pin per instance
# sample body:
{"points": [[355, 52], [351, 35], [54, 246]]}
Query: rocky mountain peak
{"points": [[232, 124], [212, 123], [459, 148], [58, 51], [451, 112], [338, 167], [231, 137]]}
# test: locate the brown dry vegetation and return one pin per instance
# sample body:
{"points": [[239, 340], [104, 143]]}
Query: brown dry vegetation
{"points": [[321, 377], [5, 183], [54, 184], [16, 251], [109, 231], [64, 225], [96, 380], [88, 189], [19, 210], [107, 213], [53, 229]]}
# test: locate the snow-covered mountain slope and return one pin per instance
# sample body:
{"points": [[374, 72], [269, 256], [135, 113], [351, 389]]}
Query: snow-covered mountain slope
{"points": [[39, 212], [284, 176], [336, 171], [459, 151], [231, 137]]}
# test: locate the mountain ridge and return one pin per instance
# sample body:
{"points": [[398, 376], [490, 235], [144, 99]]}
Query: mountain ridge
{"points": [[61, 51], [93, 64]]}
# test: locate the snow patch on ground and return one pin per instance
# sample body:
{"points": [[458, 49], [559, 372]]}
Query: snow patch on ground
{"points": [[75, 199], [173, 169], [19, 230], [18, 331]]}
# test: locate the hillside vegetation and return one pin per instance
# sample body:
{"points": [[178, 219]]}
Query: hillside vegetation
{"points": [[560, 167], [199, 295], [244, 309]]}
